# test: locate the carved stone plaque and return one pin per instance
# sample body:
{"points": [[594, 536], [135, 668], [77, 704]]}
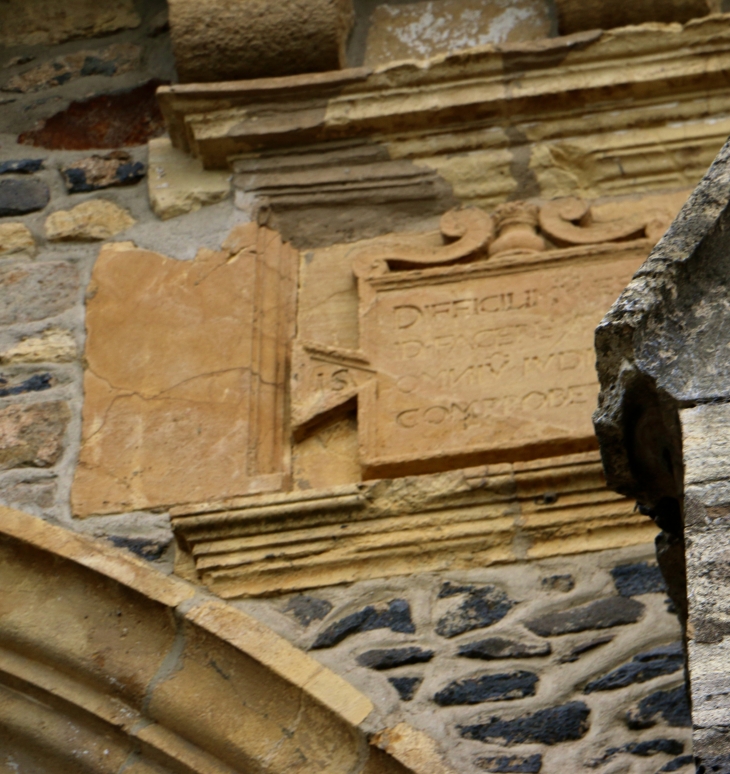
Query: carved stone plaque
{"points": [[485, 361]]}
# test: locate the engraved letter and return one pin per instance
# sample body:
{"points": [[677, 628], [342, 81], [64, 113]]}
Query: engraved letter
{"points": [[407, 315]]}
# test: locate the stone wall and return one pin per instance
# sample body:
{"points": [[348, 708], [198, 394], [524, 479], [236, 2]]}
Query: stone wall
{"points": [[531, 667], [513, 661]]}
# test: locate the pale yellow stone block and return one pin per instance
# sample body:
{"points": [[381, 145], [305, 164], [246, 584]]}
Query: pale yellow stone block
{"points": [[177, 182], [16, 240], [54, 345], [425, 29], [89, 221]]}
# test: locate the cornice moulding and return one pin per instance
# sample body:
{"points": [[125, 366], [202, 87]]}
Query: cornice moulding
{"points": [[550, 82], [467, 518]]}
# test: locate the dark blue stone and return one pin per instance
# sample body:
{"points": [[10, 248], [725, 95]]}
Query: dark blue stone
{"points": [[396, 617], [565, 723], [21, 166], [500, 687]]}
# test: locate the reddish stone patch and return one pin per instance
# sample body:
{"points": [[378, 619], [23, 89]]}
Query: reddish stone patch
{"points": [[105, 121]]}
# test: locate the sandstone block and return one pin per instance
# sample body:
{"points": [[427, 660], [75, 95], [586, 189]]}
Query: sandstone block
{"points": [[89, 221], [36, 291], [413, 31], [32, 435], [116, 59], [179, 184], [18, 197], [96, 172], [52, 346], [46, 22], [16, 239], [184, 391], [258, 38]]}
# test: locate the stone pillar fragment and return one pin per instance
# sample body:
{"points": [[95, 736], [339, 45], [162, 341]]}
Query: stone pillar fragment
{"points": [[219, 40]]}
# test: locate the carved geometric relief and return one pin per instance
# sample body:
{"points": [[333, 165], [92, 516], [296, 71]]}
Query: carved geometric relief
{"points": [[487, 359], [186, 377]]}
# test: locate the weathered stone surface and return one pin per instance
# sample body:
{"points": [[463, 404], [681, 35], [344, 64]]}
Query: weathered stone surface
{"points": [[406, 686], [562, 583], [35, 291], [16, 239], [307, 609], [116, 59], [20, 196], [499, 687], [671, 706], [550, 726], [601, 614], [54, 345], [45, 22], [511, 764], [31, 435], [500, 647], [575, 15], [257, 39], [449, 355], [389, 658], [390, 521], [415, 31], [98, 172], [481, 607], [35, 383], [645, 666], [181, 350], [105, 121], [21, 166], [179, 184], [396, 617], [96, 219], [642, 578]]}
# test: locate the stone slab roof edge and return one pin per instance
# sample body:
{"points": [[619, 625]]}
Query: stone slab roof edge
{"points": [[393, 751]]}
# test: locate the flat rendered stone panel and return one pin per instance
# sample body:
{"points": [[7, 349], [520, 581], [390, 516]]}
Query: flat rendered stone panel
{"points": [[184, 387], [488, 361]]}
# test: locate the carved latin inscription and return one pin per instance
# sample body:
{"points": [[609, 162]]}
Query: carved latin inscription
{"points": [[488, 360], [473, 360]]}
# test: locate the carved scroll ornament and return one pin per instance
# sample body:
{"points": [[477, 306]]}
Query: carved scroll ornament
{"points": [[570, 222], [471, 228]]}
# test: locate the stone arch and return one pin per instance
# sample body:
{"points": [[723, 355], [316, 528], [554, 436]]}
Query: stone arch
{"points": [[108, 665]]}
